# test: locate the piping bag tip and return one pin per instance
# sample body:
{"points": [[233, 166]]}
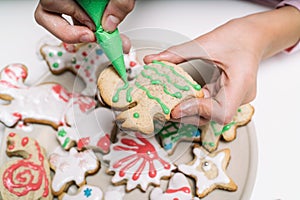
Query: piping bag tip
{"points": [[119, 65]]}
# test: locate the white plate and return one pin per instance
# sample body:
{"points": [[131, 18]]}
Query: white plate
{"points": [[243, 163]]}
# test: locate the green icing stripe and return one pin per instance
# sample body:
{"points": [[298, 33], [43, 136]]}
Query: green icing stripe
{"points": [[158, 82], [185, 130], [184, 88], [195, 86], [128, 94], [211, 144], [116, 96], [165, 109], [224, 129], [66, 142]]}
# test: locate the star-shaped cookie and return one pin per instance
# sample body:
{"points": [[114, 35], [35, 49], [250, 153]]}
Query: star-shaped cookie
{"points": [[209, 171]]}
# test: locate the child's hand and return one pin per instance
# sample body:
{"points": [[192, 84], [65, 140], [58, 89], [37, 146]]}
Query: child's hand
{"points": [[49, 15], [236, 48]]}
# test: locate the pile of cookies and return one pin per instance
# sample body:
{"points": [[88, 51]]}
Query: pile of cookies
{"points": [[120, 127]]}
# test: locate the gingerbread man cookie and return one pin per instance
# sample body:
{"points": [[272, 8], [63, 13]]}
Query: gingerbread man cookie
{"points": [[178, 188], [28, 178], [92, 130], [155, 92], [72, 166], [212, 132], [174, 132], [87, 192], [209, 171], [86, 60], [138, 161], [46, 103]]}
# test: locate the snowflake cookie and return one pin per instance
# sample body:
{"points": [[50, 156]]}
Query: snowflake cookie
{"points": [[212, 132], [174, 132], [209, 171], [138, 161], [178, 188], [27, 178], [72, 166]]}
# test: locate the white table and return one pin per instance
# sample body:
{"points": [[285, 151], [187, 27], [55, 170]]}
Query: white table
{"points": [[276, 104]]}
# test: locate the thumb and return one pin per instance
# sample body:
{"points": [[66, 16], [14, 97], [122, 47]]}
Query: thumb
{"points": [[180, 53], [115, 12]]}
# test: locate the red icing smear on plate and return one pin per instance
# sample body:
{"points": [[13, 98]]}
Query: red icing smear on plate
{"points": [[145, 152], [21, 172]]}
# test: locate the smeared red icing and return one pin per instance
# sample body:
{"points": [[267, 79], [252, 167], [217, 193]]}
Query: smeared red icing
{"points": [[12, 73], [183, 189], [82, 142], [18, 115], [145, 151], [104, 143], [21, 172], [84, 103]]}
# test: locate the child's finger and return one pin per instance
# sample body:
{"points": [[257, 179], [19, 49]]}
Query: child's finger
{"points": [[59, 27]]}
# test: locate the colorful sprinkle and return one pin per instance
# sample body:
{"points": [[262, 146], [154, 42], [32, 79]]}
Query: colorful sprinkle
{"points": [[136, 115], [87, 192]]}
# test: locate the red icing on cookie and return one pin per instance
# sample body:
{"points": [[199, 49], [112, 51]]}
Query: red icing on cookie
{"points": [[24, 141], [19, 179], [104, 143], [183, 189], [12, 134], [132, 64], [82, 142], [145, 151]]}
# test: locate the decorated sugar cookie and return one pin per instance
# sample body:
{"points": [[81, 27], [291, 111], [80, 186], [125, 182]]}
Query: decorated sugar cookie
{"points": [[27, 178], [92, 130], [72, 166], [178, 188], [86, 60], [209, 171], [87, 192], [153, 94], [114, 192], [138, 161], [45, 103], [173, 132], [212, 132]]}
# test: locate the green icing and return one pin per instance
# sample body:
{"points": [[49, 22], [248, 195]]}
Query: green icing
{"points": [[55, 65], [116, 96], [165, 109], [62, 133], [211, 144], [66, 142], [239, 110], [128, 94], [184, 88], [224, 129], [158, 82], [136, 115], [186, 130], [50, 54], [195, 86], [59, 53]]}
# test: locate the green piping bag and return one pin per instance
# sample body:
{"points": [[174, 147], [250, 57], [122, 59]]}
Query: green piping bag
{"points": [[110, 42]]}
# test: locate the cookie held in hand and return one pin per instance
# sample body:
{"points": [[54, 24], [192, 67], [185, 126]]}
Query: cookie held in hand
{"points": [[152, 95]]}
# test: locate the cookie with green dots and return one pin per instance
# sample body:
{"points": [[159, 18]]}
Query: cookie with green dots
{"points": [[157, 89]]}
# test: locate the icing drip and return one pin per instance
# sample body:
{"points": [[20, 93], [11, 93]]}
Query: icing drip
{"points": [[224, 129]]}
